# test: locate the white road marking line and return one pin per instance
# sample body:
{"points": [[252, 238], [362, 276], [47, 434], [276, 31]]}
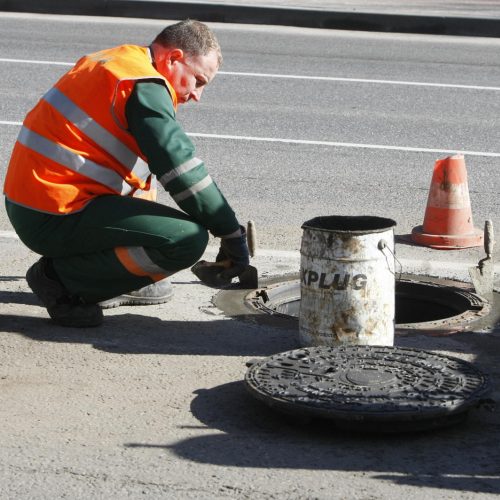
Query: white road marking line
{"points": [[299, 77], [360, 80], [346, 144], [32, 61], [326, 143]]}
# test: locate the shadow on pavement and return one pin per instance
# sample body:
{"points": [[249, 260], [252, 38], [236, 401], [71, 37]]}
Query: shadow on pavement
{"points": [[26, 298], [140, 334], [464, 457]]}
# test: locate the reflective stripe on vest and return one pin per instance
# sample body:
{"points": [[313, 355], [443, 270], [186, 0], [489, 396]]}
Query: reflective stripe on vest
{"points": [[98, 134], [73, 161], [137, 262]]}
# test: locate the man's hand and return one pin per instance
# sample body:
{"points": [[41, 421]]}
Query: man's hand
{"points": [[234, 254], [232, 260]]}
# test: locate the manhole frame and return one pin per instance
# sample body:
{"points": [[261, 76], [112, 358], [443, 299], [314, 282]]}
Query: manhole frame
{"points": [[243, 304]]}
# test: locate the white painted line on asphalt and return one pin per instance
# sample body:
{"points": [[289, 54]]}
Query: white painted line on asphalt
{"points": [[326, 143], [345, 144], [29, 61], [300, 77], [359, 80]]}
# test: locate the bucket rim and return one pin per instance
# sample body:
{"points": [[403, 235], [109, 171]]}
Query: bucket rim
{"points": [[352, 224]]}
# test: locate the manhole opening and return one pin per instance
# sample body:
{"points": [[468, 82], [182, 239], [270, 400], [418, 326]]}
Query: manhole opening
{"points": [[415, 302], [422, 302]]}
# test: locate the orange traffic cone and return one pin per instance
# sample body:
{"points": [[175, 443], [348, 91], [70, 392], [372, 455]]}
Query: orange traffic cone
{"points": [[448, 216]]}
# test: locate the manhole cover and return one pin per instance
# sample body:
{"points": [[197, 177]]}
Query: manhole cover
{"points": [[369, 388]]}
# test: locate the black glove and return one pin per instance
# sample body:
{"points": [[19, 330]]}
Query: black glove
{"points": [[236, 251]]}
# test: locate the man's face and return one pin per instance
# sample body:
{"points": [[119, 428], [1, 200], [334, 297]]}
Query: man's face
{"points": [[188, 75]]}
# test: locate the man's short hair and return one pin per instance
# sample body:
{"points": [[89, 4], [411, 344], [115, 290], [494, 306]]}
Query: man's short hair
{"points": [[193, 37]]}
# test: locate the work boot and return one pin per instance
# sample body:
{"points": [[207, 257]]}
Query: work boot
{"points": [[64, 309], [156, 293]]}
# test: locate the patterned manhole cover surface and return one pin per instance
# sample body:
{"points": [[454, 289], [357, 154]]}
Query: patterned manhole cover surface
{"points": [[369, 387]]}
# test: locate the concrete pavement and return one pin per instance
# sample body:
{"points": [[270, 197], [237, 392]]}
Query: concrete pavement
{"points": [[151, 405], [471, 18]]}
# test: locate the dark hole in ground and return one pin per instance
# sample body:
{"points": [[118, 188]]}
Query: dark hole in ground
{"points": [[415, 302]]}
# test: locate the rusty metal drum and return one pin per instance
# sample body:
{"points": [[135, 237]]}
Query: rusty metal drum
{"points": [[347, 281]]}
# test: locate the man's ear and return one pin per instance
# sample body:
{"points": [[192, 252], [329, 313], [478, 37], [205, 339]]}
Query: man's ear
{"points": [[175, 55]]}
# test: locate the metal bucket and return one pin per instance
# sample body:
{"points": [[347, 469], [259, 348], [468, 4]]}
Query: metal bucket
{"points": [[347, 281]]}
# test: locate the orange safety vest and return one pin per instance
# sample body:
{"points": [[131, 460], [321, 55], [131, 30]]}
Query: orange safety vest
{"points": [[74, 144]]}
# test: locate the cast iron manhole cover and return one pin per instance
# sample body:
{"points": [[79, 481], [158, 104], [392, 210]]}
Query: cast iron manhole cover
{"points": [[369, 388]]}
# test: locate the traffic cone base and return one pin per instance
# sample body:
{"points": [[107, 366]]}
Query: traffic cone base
{"points": [[448, 216], [448, 241]]}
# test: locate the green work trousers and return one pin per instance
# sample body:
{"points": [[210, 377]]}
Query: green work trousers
{"points": [[81, 245]]}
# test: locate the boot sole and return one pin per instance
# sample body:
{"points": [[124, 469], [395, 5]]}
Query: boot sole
{"points": [[131, 300]]}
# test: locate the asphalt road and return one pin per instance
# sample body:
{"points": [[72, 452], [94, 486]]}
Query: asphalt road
{"points": [[283, 102], [151, 404]]}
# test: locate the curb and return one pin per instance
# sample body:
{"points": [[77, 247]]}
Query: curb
{"points": [[246, 14]]}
